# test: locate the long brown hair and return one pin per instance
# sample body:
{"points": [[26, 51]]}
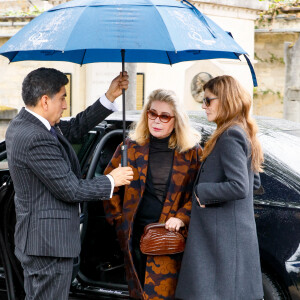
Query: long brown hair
{"points": [[234, 109], [184, 136]]}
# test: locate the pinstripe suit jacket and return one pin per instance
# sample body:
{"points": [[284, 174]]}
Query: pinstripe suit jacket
{"points": [[47, 180]]}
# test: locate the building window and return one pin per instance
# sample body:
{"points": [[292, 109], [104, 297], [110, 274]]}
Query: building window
{"points": [[68, 111], [140, 90]]}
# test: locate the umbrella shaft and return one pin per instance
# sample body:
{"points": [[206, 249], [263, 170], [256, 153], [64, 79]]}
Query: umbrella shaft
{"points": [[124, 115], [123, 96], [124, 147]]}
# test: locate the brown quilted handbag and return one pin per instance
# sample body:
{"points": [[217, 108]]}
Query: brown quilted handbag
{"points": [[157, 240]]}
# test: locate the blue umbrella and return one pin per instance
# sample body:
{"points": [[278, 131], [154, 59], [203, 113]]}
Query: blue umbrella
{"points": [[156, 31], [87, 31]]}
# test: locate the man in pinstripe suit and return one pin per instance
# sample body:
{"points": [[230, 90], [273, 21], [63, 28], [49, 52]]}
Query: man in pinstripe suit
{"points": [[47, 180]]}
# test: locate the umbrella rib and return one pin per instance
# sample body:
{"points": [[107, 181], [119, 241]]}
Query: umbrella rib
{"points": [[11, 60], [83, 58], [238, 57], [166, 28], [251, 70], [201, 17], [78, 17], [169, 58]]}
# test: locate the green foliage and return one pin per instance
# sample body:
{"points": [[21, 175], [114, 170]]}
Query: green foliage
{"points": [[272, 58], [275, 7], [283, 1], [35, 11], [263, 92]]}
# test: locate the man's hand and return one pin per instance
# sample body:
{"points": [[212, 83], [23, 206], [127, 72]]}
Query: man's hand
{"points": [[122, 175], [174, 224], [116, 86]]}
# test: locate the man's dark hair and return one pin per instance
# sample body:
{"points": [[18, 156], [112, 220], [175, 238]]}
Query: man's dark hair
{"points": [[42, 81]]}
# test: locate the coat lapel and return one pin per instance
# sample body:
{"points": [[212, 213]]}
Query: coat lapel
{"points": [[30, 117], [69, 151], [141, 158], [180, 168], [198, 174]]}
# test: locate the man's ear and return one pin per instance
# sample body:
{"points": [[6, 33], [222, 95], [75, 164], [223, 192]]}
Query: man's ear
{"points": [[44, 100]]}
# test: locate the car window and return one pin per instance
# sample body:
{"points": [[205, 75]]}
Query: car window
{"points": [[83, 150], [3, 164], [4, 173], [79, 147], [106, 154], [3, 161], [276, 190]]}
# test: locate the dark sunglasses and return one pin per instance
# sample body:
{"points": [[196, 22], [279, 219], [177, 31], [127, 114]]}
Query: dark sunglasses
{"points": [[165, 118], [207, 100]]}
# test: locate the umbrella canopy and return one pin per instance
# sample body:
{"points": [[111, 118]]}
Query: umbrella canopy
{"points": [[155, 31]]}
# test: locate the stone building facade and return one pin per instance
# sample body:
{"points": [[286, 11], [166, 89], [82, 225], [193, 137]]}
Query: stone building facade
{"points": [[271, 34]]}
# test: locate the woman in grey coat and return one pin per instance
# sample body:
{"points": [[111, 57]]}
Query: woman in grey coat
{"points": [[221, 258]]}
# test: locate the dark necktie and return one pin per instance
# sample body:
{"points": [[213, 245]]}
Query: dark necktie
{"points": [[53, 132]]}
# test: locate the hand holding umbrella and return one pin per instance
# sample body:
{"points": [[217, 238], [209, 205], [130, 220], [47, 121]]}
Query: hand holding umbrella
{"points": [[117, 85]]}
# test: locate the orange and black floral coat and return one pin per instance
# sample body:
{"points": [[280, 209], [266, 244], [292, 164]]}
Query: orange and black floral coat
{"points": [[161, 271]]}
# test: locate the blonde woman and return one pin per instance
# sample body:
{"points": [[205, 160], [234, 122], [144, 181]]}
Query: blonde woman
{"points": [[164, 153], [221, 258]]}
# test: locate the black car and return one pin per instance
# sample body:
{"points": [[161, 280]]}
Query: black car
{"points": [[99, 271]]}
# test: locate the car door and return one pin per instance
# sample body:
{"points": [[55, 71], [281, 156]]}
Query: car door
{"points": [[12, 271], [277, 207], [12, 274]]}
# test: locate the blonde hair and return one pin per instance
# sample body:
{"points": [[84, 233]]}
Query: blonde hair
{"points": [[183, 138], [234, 109]]}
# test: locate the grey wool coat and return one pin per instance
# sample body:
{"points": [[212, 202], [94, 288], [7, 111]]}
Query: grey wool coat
{"points": [[47, 181], [221, 258]]}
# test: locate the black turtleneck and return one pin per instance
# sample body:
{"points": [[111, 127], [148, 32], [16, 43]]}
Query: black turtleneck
{"points": [[158, 176], [160, 164]]}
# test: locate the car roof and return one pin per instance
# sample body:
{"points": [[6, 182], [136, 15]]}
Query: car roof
{"points": [[264, 123], [267, 125]]}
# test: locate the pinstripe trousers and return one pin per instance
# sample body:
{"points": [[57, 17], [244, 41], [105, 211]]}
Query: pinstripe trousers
{"points": [[46, 277]]}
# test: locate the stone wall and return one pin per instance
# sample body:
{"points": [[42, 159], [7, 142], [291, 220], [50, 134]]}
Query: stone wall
{"points": [[12, 7], [6, 114], [292, 82], [271, 34], [270, 72]]}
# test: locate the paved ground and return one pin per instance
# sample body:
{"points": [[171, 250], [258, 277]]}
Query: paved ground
{"points": [[4, 297]]}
